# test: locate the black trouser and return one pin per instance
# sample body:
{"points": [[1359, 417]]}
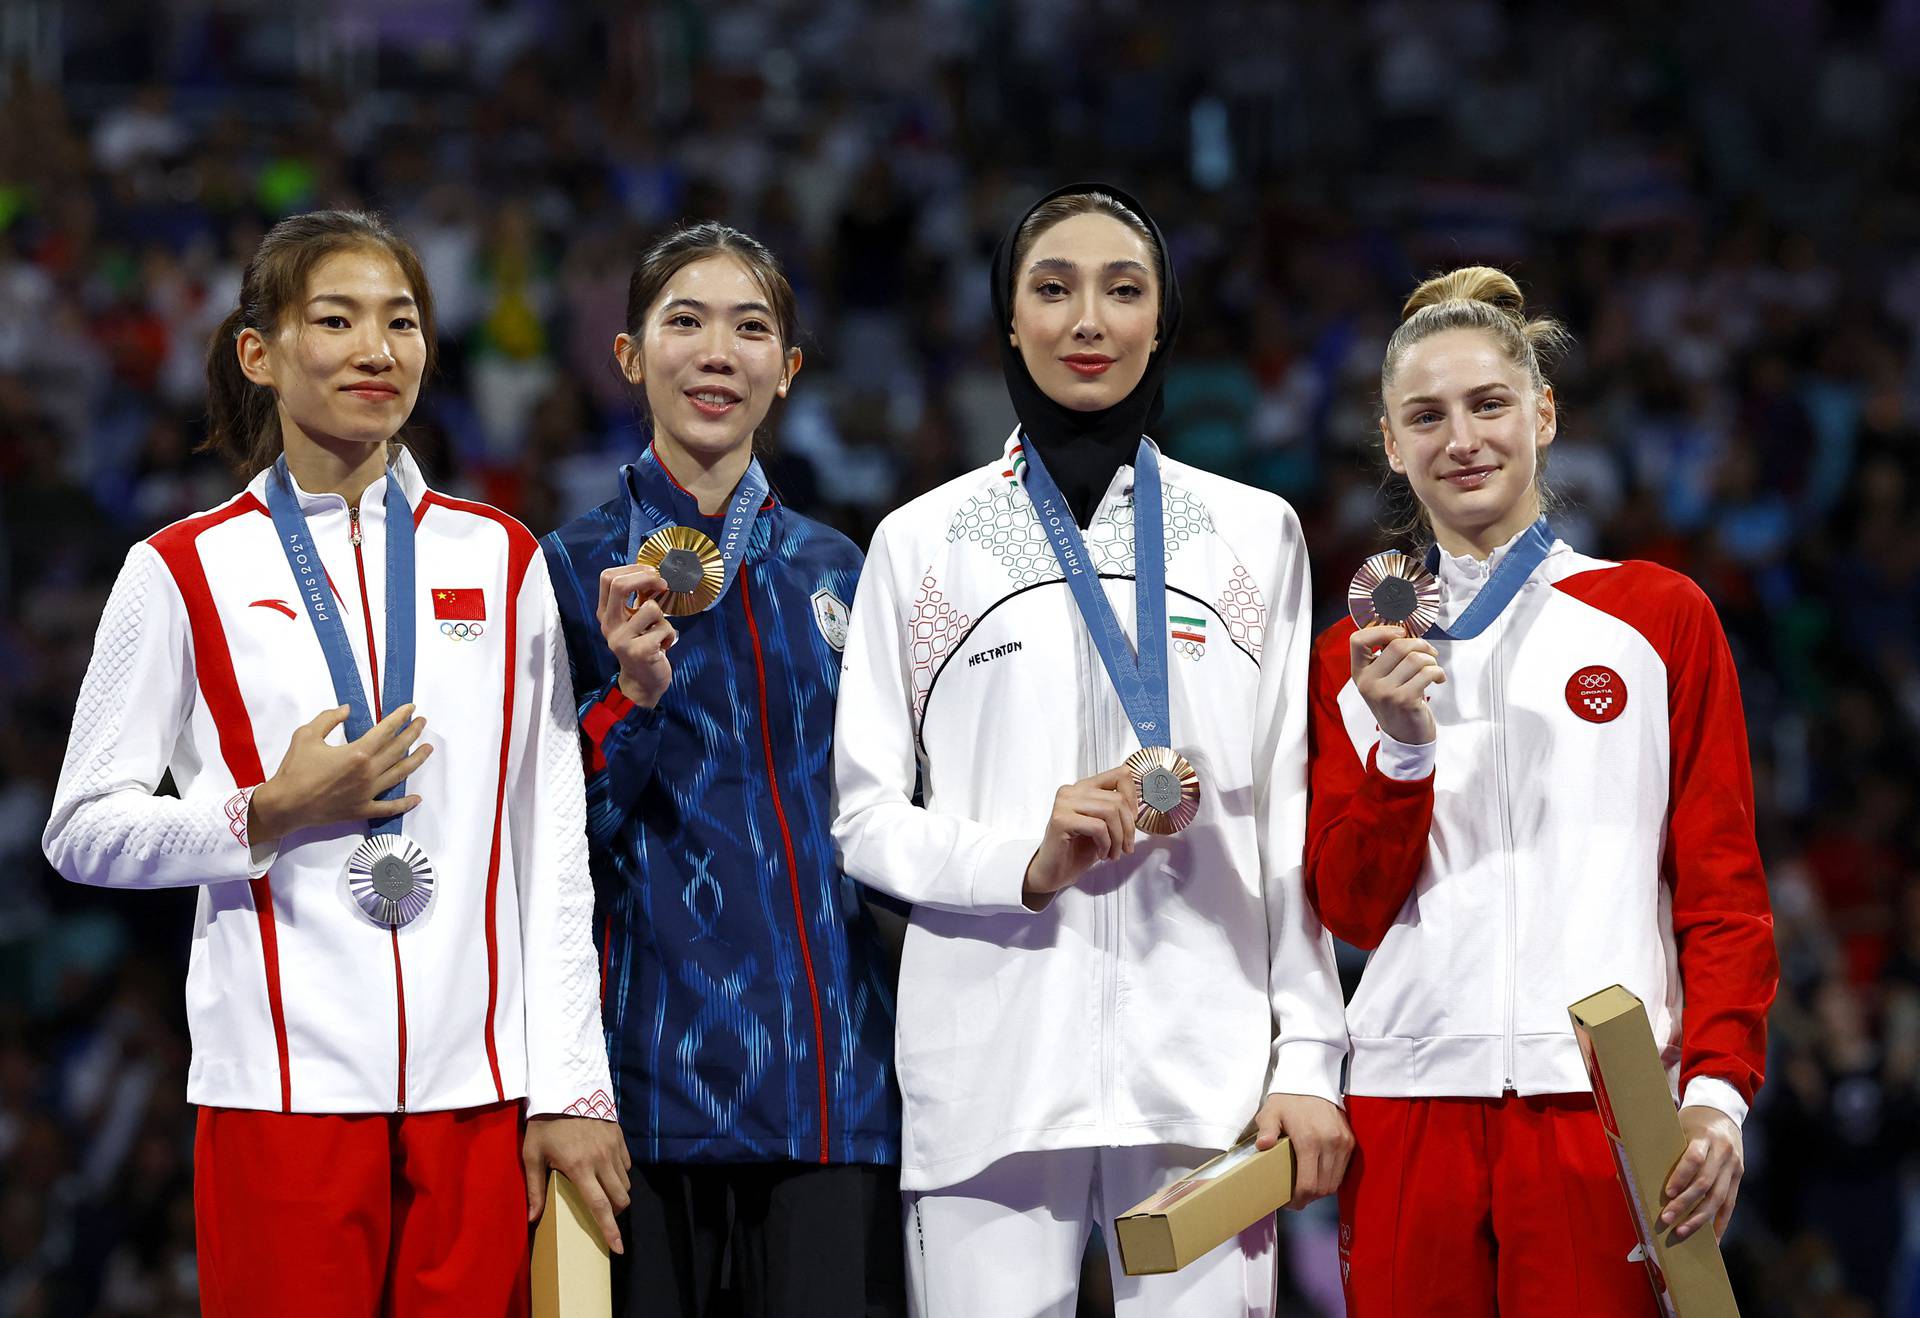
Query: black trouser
{"points": [[761, 1240]]}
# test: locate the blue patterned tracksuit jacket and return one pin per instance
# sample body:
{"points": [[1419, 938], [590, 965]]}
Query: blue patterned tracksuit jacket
{"points": [[748, 1014]]}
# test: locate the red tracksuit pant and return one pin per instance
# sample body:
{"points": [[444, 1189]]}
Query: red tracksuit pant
{"points": [[300, 1216], [1472, 1207]]}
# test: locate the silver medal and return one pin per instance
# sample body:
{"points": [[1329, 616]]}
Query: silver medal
{"points": [[391, 879]]}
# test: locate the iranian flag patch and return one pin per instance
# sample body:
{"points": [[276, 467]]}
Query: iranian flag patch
{"points": [[1189, 635]]}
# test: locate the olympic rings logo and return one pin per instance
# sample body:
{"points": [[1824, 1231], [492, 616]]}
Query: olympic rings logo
{"points": [[1597, 694], [463, 631]]}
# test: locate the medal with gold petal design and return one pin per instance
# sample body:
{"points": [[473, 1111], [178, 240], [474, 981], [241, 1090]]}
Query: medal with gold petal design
{"points": [[689, 563]]}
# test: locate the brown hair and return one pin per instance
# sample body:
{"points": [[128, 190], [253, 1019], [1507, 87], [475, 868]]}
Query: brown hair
{"points": [[242, 424], [1473, 297], [1048, 214], [680, 248]]}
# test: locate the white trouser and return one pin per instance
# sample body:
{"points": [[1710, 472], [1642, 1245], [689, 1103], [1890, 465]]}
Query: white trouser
{"points": [[1008, 1242]]}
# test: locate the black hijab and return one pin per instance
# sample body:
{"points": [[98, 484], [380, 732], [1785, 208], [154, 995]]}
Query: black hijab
{"points": [[1082, 450]]}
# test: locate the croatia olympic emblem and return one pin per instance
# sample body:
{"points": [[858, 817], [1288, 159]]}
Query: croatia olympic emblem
{"points": [[1597, 694]]}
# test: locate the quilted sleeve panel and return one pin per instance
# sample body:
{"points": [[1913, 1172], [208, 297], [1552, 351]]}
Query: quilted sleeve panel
{"points": [[108, 828], [566, 1049]]}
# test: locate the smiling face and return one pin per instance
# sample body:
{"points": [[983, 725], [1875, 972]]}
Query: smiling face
{"points": [[709, 355], [1465, 424], [1086, 307], [345, 365]]}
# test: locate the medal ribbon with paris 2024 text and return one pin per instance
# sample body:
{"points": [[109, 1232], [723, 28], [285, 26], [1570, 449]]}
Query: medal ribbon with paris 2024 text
{"points": [[1526, 554], [323, 610], [1139, 673], [388, 874], [742, 509]]}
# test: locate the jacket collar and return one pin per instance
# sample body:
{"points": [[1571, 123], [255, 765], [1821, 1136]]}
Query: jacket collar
{"points": [[1013, 469], [372, 503], [1462, 576], [664, 501]]}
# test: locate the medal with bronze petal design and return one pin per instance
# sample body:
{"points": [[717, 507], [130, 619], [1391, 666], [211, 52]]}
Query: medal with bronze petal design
{"points": [[1167, 787], [1394, 588]]}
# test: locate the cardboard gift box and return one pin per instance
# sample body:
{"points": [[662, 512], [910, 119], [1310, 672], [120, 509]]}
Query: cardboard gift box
{"points": [[1643, 1129], [1214, 1202], [571, 1275]]}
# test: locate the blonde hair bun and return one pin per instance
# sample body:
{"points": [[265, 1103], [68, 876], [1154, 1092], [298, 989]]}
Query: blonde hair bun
{"points": [[1478, 297], [1471, 283]]}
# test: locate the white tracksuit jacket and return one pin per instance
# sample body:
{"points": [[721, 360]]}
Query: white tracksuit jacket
{"points": [[1159, 1000], [1584, 818], [204, 666]]}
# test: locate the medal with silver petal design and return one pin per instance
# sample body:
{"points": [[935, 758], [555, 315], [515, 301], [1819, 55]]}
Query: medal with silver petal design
{"points": [[391, 878]]}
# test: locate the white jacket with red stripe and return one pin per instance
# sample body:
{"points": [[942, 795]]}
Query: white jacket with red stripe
{"points": [[204, 666], [1584, 818]]}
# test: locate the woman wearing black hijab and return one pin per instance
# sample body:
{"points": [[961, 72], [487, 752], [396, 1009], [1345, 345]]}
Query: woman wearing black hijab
{"points": [[1111, 966]]}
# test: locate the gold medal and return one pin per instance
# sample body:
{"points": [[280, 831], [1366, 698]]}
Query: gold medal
{"points": [[1168, 789], [689, 563], [1393, 588]]}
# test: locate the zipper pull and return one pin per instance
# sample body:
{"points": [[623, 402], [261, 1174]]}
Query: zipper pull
{"points": [[353, 526]]}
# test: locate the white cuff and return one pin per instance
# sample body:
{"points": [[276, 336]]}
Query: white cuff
{"points": [[1308, 1066], [1705, 1091], [1404, 763], [260, 855], [1000, 877]]}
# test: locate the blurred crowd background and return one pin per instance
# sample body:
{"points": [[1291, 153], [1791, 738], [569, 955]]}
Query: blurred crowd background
{"points": [[1722, 200]]}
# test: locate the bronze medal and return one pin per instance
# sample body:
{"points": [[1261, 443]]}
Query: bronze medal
{"points": [[1394, 588], [1167, 787], [689, 563]]}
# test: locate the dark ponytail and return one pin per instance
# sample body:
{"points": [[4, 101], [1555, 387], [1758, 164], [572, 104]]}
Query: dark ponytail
{"points": [[242, 424]]}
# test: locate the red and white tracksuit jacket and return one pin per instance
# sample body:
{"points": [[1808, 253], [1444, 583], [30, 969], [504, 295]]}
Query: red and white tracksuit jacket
{"points": [[204, 666], [1584, 818]]}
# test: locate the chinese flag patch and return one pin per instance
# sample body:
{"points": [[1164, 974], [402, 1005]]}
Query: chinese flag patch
{"points": [[468, 604]]}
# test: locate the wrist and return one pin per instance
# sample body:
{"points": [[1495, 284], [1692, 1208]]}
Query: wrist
{"points": [[1032, 896], [638, 698], [265, 822]]}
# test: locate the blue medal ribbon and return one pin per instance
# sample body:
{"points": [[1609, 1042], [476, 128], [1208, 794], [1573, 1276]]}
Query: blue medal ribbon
{"points": [[742, 509], [1139, 674], [1527, 553], [323, 610]]}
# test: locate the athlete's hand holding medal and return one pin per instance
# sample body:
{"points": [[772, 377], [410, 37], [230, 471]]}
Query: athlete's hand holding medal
{"points": [[633, 619], [673, 572], [1394, 601]]}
